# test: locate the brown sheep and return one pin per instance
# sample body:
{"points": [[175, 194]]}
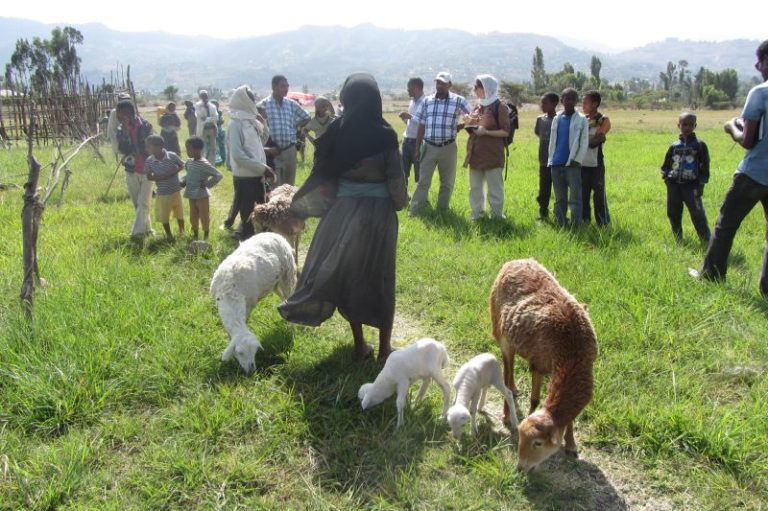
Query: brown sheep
{"points": [[535, 317], [274, 216]]}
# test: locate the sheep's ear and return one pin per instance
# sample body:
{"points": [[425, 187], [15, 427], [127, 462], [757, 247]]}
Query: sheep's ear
{"points": [[228, 352]]}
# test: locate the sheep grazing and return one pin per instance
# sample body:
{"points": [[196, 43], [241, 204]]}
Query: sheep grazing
{"points": [[423, 360], [471, 384], [533, 316], [274, 216], [260, 265]]}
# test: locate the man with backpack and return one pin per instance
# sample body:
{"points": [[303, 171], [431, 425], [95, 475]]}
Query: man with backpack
{"points": [[489, 130]]}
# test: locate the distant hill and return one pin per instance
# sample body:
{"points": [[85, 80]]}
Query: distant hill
{"points": [[321, 57]]}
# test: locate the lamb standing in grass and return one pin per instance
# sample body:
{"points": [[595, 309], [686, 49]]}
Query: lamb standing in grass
{"points": [[535, 317], [260, 265], [423, 360], [471, 384]]}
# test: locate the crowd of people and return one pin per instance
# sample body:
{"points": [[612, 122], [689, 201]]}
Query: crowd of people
{"points": [[360, 176]]}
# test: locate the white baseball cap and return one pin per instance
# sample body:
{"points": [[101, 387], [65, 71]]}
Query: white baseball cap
{"points": [[444, 76]]}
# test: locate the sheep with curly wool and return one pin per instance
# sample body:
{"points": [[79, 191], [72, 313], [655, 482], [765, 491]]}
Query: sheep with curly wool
{"points": [[423, 360], [275, 216], [260, 265], [535, 317], [471, 384]]}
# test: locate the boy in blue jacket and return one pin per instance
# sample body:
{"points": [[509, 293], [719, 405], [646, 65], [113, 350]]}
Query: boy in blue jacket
{"points": [[685, 172]]}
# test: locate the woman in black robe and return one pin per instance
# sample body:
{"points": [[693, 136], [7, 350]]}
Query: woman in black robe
{"points": [[356, 185]]}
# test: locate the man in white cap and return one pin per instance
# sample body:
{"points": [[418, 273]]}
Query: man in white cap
{"points": [[438, 121], [207, 115]]}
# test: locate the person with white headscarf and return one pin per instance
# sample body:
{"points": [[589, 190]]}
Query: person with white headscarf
{"points": [[488, 125], [246, 135]]}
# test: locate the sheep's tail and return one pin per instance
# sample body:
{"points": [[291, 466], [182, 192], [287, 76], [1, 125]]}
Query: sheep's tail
{"points": [[446, 359]]}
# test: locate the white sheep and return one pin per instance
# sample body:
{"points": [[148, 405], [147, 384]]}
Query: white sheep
{"points": [[275, 216], [423, 360], [471, 384], [260, 265]]}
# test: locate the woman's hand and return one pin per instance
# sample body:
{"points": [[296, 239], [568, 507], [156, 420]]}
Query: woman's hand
{"points": [[480, 131]]}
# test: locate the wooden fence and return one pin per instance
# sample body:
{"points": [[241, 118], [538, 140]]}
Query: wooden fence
{"points": [[72, 112]]}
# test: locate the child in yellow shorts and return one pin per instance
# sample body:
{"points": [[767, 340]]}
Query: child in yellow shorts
{"points": [[163, 167]]}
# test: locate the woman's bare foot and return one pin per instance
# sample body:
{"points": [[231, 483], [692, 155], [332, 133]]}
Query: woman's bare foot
{"points": [[363, 352], [385, 346]]}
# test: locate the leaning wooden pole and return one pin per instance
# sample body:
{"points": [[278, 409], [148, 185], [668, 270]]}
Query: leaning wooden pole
{"points": [[30, 220]]}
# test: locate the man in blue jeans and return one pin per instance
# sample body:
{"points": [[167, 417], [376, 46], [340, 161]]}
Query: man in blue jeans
{"points": [[750, 183], [568, 144], [409, 150]]}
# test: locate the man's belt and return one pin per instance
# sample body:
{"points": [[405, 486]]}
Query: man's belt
{"points": [[440, 144]]}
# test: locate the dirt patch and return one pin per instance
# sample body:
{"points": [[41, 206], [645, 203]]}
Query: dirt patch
{"points": [[405, 330], [599, 479]]}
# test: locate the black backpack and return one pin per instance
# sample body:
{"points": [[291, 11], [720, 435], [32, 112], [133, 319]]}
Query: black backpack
{"points": [[513, 125], [513, 121]]}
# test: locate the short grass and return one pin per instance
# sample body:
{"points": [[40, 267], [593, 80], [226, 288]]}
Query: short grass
{"points": [[114, 397]]}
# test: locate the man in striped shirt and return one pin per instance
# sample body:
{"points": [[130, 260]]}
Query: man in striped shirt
{"points": [[163, 168], [284, 117], [438, 120]]}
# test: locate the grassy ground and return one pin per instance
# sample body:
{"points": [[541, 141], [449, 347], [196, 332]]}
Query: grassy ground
{"points": [[114, 397]]}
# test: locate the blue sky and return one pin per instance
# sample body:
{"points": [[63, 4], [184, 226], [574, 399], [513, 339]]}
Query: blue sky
{"points": [[601, 25]]}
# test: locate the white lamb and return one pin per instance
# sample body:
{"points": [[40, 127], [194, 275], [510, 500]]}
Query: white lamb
{"points": [[261, 264], [423, 360], [471, 384]]}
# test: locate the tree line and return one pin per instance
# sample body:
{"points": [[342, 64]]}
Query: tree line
{"points": [[677, 87]]}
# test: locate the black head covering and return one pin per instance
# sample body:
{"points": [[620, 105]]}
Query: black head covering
{"points": [[360, 132]]}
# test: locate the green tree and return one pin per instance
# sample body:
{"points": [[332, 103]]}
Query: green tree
{"points": [[514, 92], [46, 63], [461, 88], [668, 78], [538, 74], [595, 66], [727, 81], [170, 92]]}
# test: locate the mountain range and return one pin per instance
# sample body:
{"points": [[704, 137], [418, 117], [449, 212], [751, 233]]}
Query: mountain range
{"points": [[319, 58]]}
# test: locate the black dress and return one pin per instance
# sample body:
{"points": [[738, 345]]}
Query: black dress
{"points": [[350, 265]]}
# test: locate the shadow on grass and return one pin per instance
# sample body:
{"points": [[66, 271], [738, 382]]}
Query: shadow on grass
{"points": [[563, 483], [612, 236], [461, 227], [358, 451], [276, 343], [488, 438], [113, 198], [124, 244], [151, 245], [737, 259]]}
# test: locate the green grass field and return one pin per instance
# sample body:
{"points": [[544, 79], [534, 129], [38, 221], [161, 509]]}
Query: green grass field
{"points": [[114, 397]]}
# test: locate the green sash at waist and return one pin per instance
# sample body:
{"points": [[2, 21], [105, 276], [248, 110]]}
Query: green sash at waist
{"points": [[355, 189]]}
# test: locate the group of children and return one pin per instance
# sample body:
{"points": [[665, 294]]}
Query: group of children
{"points": [[163, 167], [571, 161]]}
